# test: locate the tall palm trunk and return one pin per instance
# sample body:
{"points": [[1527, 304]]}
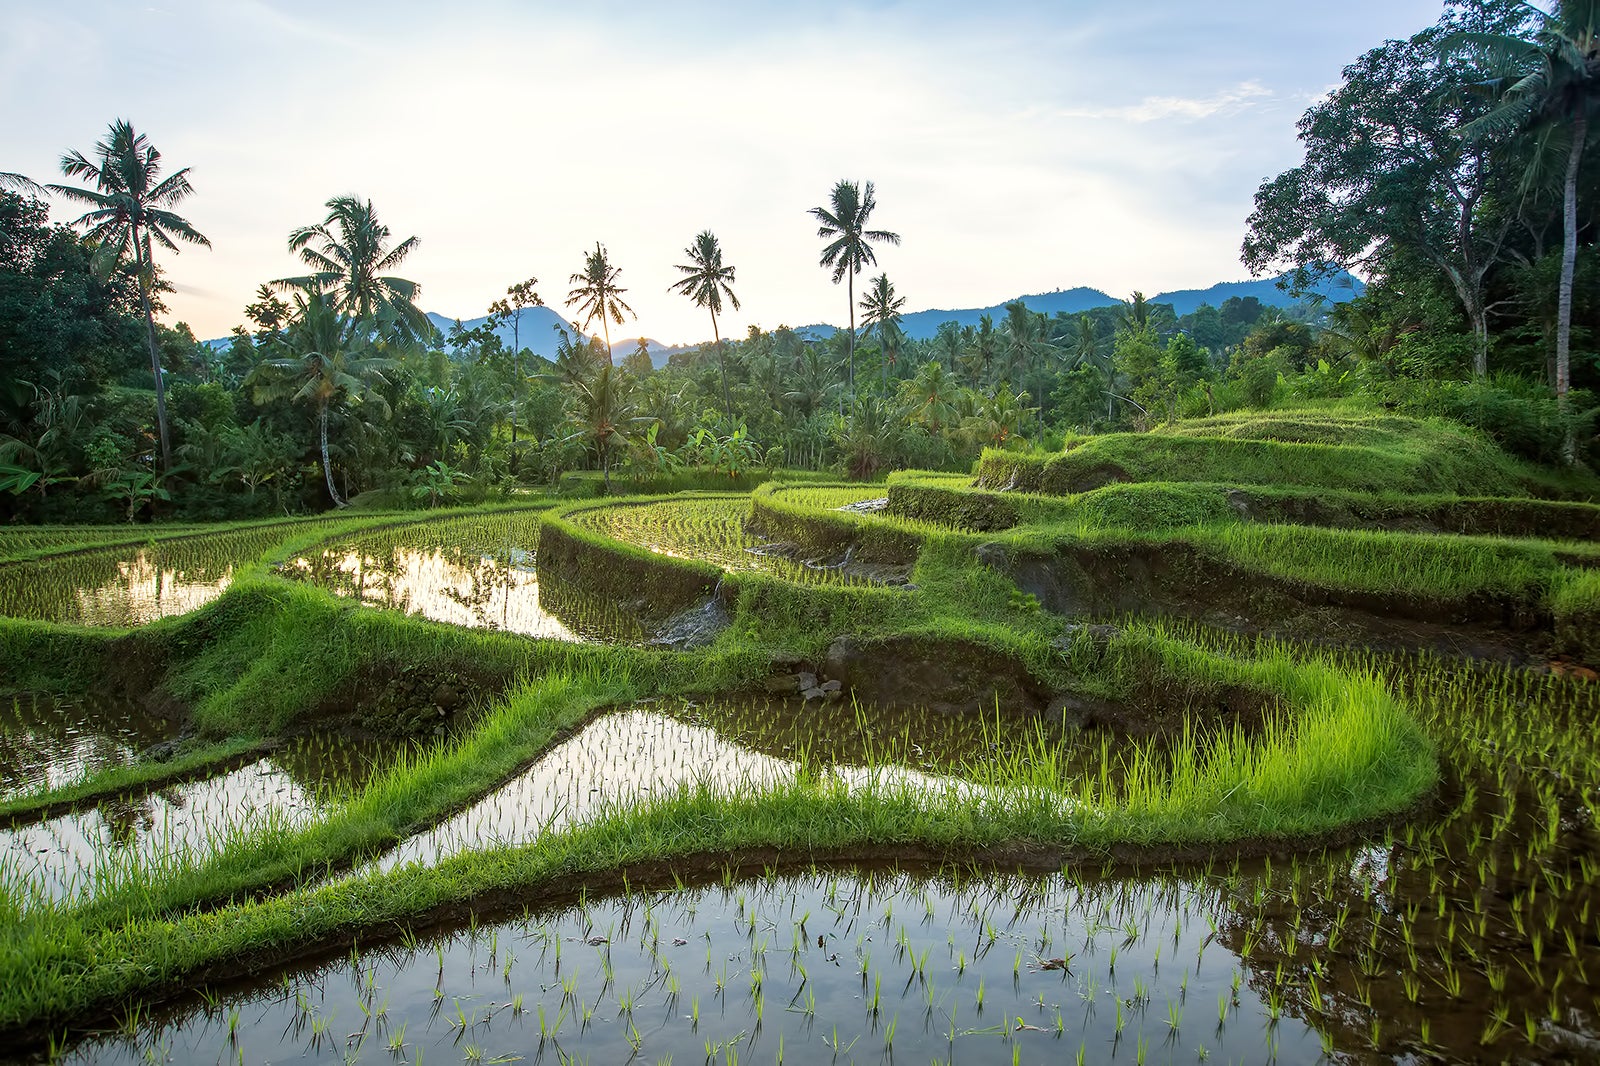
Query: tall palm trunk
{"points": [[327, 464], [722, 362], [605, 329], [850, 293], [139, 265], [1569, 255]]}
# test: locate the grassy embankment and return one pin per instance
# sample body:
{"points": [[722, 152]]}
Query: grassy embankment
{"points": [[269, 657]]}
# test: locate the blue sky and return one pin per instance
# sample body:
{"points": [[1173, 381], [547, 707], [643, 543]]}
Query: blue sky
{"points": [[1016, 147]]}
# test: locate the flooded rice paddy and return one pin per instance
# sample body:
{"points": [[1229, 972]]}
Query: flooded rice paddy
{"points": [[143, 832], [48, 741], [479, 572], [131, 584], [853, 966], [712, 530], [624, 757]]}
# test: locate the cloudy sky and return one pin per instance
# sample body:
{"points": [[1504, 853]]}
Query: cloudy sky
{"points": [[1016, 147]]}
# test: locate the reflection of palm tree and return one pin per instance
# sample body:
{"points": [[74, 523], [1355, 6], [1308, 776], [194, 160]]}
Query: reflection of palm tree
{"points": [[598, 295], [843, 225], [351, 255], [706, 283], [128, 212], [1552, 83], [325, 367]]}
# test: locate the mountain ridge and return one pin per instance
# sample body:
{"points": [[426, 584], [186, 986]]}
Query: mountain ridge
{"points": [[538, 327]]}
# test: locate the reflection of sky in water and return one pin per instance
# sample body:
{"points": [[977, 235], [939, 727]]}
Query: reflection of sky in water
{"points": [[784, 968], [64, 856], [47, 741], [130, 585], [446, 586], [143, 590], [622, 758]]}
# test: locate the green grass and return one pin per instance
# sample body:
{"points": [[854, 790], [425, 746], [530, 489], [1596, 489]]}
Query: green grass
{"points": [[1393, 455], [1346, 751], [268, 657]]}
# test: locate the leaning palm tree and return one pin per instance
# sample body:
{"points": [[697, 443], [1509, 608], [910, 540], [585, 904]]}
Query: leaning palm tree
{"points": [[849, 247], [128, 213], [329, 363], [1550, 86], [598, 295], [706, 282], [880, 311], [349, 255]]}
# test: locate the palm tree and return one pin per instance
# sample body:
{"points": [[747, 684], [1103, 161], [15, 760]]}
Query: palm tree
{"points": [[21, 183], [522, 295], [597, 293], [1086, 349], [706, 282], [849, 248], [1551, 85], [128, 213], [931, 396], [880, 310], [602, 412], [349, 260], [328, 363]]}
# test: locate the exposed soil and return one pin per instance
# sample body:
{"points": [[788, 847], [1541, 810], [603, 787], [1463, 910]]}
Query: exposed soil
{"points": [[389, 699]]}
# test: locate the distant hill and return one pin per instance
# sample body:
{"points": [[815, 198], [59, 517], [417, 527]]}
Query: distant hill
{"points": [[925, 324], [538, 332]]}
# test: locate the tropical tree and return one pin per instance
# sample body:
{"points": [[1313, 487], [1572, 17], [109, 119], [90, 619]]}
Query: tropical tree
{"points": [[519, 298], [1550, 87], [603, 416], [1027, 345], [1087, 350], [129, 212], [21, 183], [329, 363], [880, 311], [849, 247], [597, 293], [349, 255], [1386, 175], [707, 280], [932, 396]]}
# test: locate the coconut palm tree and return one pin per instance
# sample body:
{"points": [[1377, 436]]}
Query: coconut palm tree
{"points": [[849, 247], [603, 414], [1550, 86], [522, 296], [931, 396], [598, 295], [129, 212], [329, 363], [349, 255], [706, 282], [880, 311], [21, 183]]}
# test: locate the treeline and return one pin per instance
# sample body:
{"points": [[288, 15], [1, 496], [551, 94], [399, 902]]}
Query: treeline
{"points": [[1448, 169]]}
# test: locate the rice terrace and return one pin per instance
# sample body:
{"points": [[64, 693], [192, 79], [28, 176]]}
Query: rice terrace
{"points": [[1208, 676]]}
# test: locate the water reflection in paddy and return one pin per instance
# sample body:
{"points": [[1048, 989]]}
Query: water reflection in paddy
{"points": [[67, 855], [856, 966], [630, 755], [461, 586], [128, 586], [49, 741]]}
